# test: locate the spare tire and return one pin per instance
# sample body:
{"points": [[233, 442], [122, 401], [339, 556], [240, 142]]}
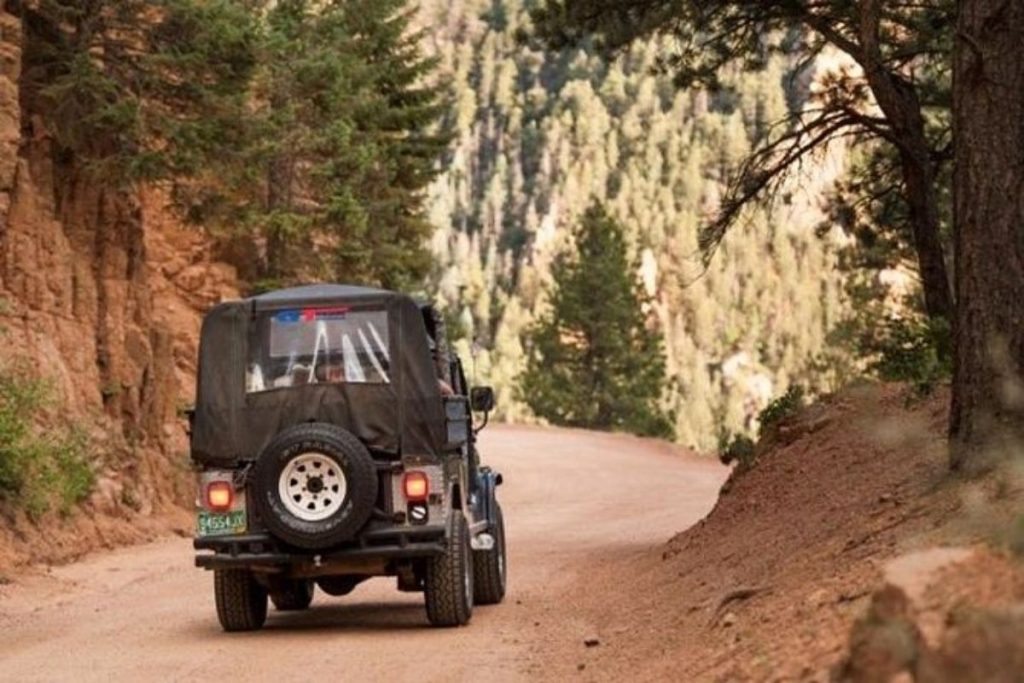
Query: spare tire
{"points": [[314, 485]]}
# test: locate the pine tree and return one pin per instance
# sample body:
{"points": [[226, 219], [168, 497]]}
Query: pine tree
{"points": [[303, 132], [342, 143], [594, 361], [987, 415], [139, 89]]}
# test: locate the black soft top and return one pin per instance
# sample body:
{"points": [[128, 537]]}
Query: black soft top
{"points": [[403, 417], [321, 294]]}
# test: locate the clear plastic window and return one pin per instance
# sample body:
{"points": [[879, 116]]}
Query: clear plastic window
{"points": [[300, 346]]}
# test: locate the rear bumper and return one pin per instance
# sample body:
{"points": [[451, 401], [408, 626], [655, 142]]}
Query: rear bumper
{"points": [[260, 550]]}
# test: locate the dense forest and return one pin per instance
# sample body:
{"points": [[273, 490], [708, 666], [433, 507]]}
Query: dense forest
{"points": [[538, 134]]}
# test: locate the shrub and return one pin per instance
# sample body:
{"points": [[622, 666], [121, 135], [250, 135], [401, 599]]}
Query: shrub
{"points": [[40, 470], [738, 448], [915, 351], [782, 407]]}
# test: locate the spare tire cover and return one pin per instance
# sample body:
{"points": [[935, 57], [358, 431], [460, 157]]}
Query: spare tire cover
{"points": [[314, 485]]}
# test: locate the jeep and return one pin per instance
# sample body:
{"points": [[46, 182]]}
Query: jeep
{"points": [[333, 439]]}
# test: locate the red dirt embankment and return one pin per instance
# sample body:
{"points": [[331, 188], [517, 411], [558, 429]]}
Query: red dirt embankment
{"points": [[768, 586]]}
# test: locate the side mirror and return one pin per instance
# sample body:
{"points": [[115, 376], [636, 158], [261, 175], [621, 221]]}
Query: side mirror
{"points": [[481, 399]]}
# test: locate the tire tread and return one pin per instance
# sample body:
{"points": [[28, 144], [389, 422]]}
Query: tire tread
{"points": [[488, 587], [360, 472], [241, 601], [444, 587]]}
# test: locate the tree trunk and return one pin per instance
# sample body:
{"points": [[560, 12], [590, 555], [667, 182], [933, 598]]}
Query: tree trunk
{"points": [[919, 182], [279, 198], [898, 100], [988, 182]]}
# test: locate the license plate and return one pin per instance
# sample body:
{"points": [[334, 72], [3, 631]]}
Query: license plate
{"points": [[221, 523]]}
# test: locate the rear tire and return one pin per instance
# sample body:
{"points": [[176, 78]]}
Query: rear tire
{"points": [[241, 600], [448, 583], [490, 567], [342, 461], [292, 595]]}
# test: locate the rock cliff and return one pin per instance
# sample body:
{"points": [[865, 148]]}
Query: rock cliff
{"points": [[102, 291]]}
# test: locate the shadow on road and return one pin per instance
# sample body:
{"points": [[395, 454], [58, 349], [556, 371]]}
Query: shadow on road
{"points": [[335, 617], [338, 616]]}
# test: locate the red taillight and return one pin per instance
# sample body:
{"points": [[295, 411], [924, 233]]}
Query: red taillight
{"points": [[416, 486], [220, 495]]}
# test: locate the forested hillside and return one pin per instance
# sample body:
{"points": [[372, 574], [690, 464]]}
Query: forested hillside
{"points": [[539, 135]]}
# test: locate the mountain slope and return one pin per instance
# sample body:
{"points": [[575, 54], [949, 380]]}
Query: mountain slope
{"points": [[541, 135]]}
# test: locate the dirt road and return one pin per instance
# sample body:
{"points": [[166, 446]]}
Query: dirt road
{"points": [[578, 507]]}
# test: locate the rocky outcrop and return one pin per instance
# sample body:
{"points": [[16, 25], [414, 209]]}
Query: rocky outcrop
{"points": [[947, 615], [10, 109], [102, 292]]}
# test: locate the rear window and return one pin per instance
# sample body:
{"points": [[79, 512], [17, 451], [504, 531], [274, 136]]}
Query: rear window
{"points": [[336, 345]]}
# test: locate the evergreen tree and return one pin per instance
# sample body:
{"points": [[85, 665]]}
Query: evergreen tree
{"points": [[987, 414], [139, 89], [342, 142], [594, 361], [305, 132]]}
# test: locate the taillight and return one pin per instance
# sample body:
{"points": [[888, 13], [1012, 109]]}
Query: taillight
{"points": [[416, 486], [220, 495]]}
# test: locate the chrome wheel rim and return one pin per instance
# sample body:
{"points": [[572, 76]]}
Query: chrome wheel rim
{"points": [[312, 486]]}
